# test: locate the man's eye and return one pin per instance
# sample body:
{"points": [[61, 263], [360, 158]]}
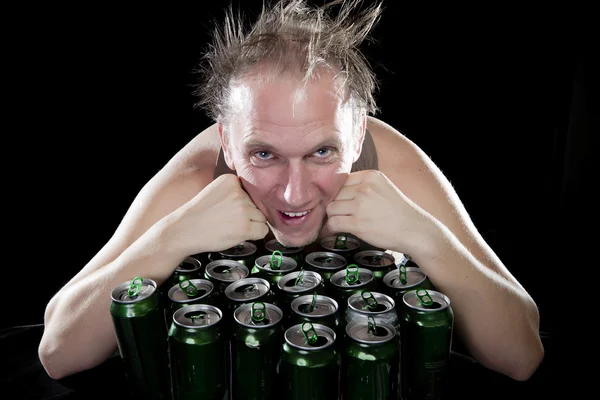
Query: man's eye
{"points": [[324, 152], [263, 155]]}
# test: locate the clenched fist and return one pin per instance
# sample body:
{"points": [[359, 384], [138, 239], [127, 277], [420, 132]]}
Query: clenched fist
{"points": [[219, 217]]}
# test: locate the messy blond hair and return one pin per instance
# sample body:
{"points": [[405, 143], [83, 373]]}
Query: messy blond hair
{"points": [[291, 36]]}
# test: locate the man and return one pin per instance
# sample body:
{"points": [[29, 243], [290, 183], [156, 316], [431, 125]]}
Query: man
{"points": [[294, 153]]}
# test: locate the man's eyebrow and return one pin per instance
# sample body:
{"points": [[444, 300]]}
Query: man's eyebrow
{"points": [[257, 144]]}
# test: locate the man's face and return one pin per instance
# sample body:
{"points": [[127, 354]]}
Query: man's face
{"points": [[293, 146]]}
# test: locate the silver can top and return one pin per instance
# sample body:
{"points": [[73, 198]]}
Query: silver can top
{"points": [[244, 249], [371, 303], [258, 315], [324, 306], [414, 276], [197, 316], [325, 260], [133, 291], [374, 259], [300, 281], [192, 290], [363, 331], [189, 264], [273, 245], [340, 243], [247, 289], [301, 336], [285, 264], [364, 277], [426, 300], [226, 270]]}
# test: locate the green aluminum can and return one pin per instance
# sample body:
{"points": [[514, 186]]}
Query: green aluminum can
{"points": [[379, 306], [370, 361], [273, 266], [255, 351], [198, 354], [310, 363], [426, 326], [222, 273], [317, 309], [245, 291], [139, 322], [245, 253], [326, 264], [342, 244], [412, 278], [186, 292], [297, 253], [296, 284], [379, 262], [347, 282]]}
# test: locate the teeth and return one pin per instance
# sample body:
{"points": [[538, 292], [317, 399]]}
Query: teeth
{"points": [[298, 214]]}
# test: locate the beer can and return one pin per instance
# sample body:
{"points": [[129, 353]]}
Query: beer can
{"points": [[198, 353], [141, 337], [255, 351], [426, 326], [342, 244], [347, 282], [189, 268], [245, 253], [326, 264], [370, 361], [379, 306], [273, 266], [296, 284], [395, 284], [379, 262], [222, 273], [244, 291], [194, 291], [310, 363], [297, 253], [317, 309]]}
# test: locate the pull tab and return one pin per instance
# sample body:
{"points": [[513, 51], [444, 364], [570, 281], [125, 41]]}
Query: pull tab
{"points": [[377, 258], [369, 299], [199, 317], [135, 287], [238, 247], [250, 288], [402, 269], [371, 325], [340, 242], [188, 288], [310, 334], [313, 303], [276, 261], [351, 276], [328, 260], [258, 311], [300, 278], [424, 296]]}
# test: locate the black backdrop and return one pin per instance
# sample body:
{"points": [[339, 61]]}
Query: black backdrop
{"points": [[502, 99]]}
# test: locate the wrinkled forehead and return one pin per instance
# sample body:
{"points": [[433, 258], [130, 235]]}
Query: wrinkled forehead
{"points": [[284, 98]]}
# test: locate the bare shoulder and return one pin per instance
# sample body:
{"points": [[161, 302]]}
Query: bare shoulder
{"points": [[421, 180]]}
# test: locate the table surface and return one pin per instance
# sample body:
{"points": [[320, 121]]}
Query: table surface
{"points": [[23, 377]]}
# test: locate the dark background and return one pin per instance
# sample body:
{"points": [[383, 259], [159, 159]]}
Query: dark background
{"points": [[504, 100]]}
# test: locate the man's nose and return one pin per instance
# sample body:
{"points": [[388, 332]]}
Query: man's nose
{"points": [[297, 187]]}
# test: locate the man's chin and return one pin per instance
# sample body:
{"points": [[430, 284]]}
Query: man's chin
{"points": [[296, 240]]}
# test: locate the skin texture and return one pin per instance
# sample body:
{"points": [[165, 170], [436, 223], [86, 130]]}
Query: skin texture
{"points": [[292, 147]]}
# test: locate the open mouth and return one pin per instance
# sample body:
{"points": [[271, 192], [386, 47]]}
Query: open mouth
{"points": [[294, 218]]}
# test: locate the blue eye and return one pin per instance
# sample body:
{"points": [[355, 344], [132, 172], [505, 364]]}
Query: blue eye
{"points": [[324, 152], [263, 155]]}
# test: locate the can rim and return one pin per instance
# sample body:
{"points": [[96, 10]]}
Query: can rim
{"points": [[284, 250], [377, 295], [268, 306], [233, 263], [292, 275], [244, 281], [308, 298], [245, 243], [386, 325], [316, 327], [196, 307], [413, 294], [175, 287], [125, 285], [309, 259], [392, 274], [284, 259], [190, 260], [343, 273], [349, 239], [373, 252]]}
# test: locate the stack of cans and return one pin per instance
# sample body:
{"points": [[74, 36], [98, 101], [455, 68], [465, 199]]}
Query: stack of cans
{"points": [[337, 323]]}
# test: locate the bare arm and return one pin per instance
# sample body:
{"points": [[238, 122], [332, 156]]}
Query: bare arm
{"points": [[495, 317], [78, 331]]}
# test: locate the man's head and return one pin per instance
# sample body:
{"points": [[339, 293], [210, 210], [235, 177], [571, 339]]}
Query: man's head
{"points": [[290, 97]]}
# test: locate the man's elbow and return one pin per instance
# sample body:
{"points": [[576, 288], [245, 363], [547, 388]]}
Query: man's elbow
{"points": [[526, 367], [50, 359]]}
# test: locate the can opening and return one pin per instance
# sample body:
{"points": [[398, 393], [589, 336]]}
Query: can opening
{"points": [[433, 306], [198, 317], [222, 269], [324, 260], [249, 289], [186, 266]]}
